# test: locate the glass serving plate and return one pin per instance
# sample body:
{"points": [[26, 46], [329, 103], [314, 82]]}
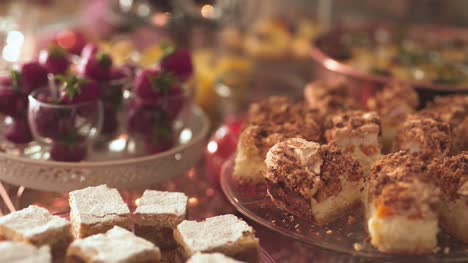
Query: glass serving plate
{"points": [[346, 236]]}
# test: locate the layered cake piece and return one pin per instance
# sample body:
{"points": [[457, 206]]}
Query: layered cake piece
{"points": [[158, 214], [35, 225], [453, 110], [326, 98], [97, 209], [425, 134], [451, 174], [401, 206], [358, 134], [224, 234], [13, 252], [211, 258], [116, 245], [393, 104], [269, 122], [312, 181]]}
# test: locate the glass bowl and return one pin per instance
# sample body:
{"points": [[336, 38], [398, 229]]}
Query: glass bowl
{"points": [[65, 131]]}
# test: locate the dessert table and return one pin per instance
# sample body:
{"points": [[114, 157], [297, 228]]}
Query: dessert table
{"points": [[206, 199]]}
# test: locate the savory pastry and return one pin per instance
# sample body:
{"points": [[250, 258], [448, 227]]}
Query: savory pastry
{"points": [[356, 133], [97, 209], [425, 134], [326, 98], [393, 104], [224, 234], [35, 225], [157, 215], [401, 205], [312, 181], [15, 252], [116, 245], [453, 110], [269, 122], [451, 174]]}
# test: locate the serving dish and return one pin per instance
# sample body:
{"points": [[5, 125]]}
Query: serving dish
{"points": [[347, 236], [365, 84], [104, 168]]}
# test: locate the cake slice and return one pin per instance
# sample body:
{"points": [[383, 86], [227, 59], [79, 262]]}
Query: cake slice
{"points": [[36, 226], [453, 109], [325, 98], [426, 135], [401, 205], [358, 134], [312, 181], [13, 252], [224, 234], [451, 174], [211, 258], [393, 104], [269, 122], [97, 209], [158, 214], [116, 245]]}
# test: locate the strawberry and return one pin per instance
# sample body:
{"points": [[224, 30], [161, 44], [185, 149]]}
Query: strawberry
{"points": [[18, 132], [96, 67], [55, 60], [178, 63], [33, 76]]}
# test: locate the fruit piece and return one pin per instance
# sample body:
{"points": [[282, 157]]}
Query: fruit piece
{"points": [[18, 132], [153, 84], [12, 103], [68, 151], [75, 90], [161, 138], [33, 76], [140, 117], [178, 63], [89, 50], [174, 103], [55, 60], [96, 67]]}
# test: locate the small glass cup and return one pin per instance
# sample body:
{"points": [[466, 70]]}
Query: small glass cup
{"points": [[65, 131]]}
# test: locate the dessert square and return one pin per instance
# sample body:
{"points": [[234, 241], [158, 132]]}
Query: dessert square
{"points": [[211, 258], [358, 134], [116, 245], [97, 209], [13, 252], [425, 134], [453, 109], [393, 104], [312, 181], [401, 205], [158, 214], [269, 122], [224, 234], [36, 226], [329, 97], [451, 175]]}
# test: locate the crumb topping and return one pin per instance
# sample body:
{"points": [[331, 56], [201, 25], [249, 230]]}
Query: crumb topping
{"points": [[352, 123], [274, 120], [311, 170], [394, 102], [400, 183], [328, 98], [425, 134], [451, 174]]}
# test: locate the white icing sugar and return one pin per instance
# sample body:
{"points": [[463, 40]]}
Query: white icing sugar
{"points": [[157, 202], [213, 232], [32, 221], [116, 245], [211, 258], [13, 252]]}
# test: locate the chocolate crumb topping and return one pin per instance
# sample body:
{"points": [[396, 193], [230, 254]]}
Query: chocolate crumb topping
{"points": [[426, 134], [394, 102], [311, 170], [401, 183], [451, 174]]}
